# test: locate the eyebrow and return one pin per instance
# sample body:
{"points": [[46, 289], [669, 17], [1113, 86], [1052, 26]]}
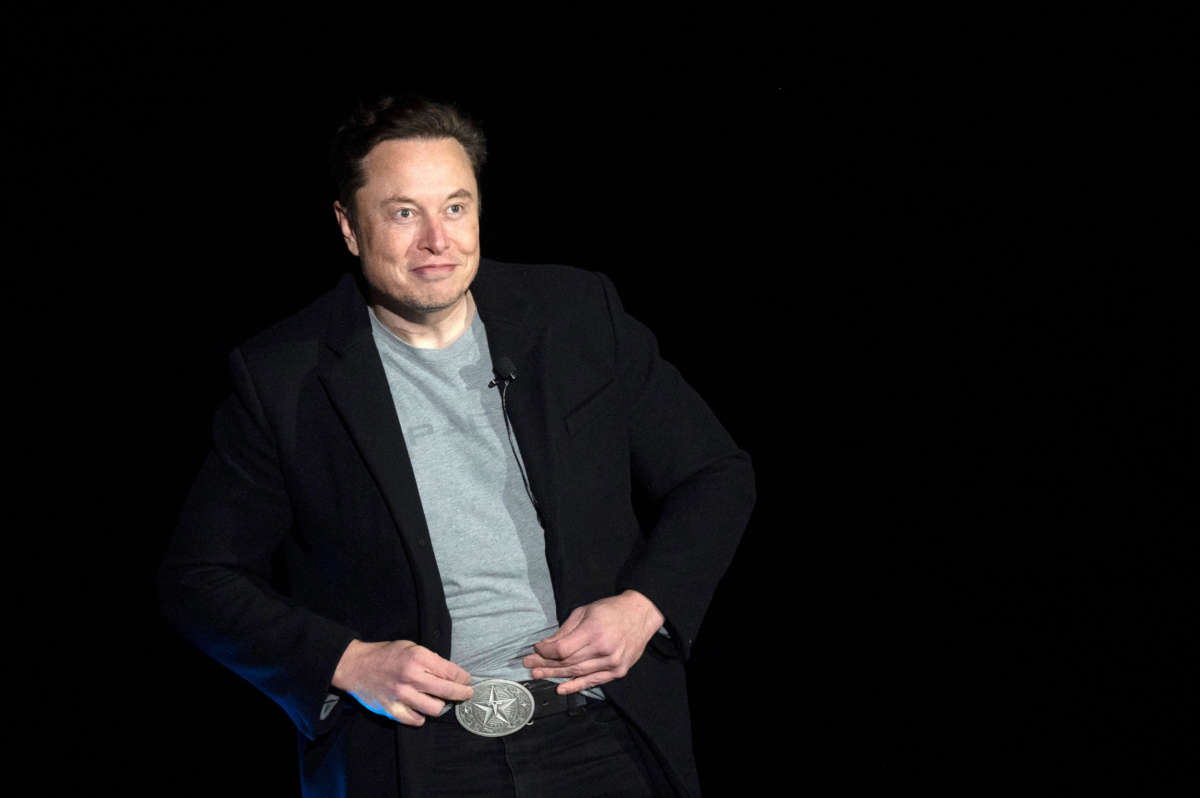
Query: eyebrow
{"points": [[462, 193]]}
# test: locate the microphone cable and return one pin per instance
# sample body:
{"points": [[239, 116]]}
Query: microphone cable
{"points": [[506, 374]]}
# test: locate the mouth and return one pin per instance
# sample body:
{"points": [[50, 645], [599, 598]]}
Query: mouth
{"points": [[434, 270]]}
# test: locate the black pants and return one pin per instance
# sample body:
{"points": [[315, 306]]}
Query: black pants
{"points": [[588, 753]]}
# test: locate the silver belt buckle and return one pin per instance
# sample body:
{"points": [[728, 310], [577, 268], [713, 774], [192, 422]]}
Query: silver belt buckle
{"points": [[498, 708]]}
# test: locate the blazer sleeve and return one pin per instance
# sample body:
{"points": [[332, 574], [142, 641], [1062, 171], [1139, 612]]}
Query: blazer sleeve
{"points": [[690, 469], [215, 580]]}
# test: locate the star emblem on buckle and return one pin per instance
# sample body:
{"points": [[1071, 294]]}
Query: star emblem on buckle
{"points": [[501, 707]]}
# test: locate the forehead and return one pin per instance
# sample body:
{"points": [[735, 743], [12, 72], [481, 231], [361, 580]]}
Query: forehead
{"points": [[413, 165]]}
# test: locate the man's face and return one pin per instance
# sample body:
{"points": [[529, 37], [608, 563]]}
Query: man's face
{"points": [[417, 229]]}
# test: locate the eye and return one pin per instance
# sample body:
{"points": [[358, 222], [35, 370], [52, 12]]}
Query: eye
{"points": [[404, 213], [456, 208]]}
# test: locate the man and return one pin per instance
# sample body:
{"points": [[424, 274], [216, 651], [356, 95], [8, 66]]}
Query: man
{"points": [[416, 528]]}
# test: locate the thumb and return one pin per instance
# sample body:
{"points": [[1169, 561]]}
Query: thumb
{"points": [[569, 625], [573, 620]]}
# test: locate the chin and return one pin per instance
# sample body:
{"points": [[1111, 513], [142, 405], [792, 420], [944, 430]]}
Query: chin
{"points": [[430, 304], [431, 307]]}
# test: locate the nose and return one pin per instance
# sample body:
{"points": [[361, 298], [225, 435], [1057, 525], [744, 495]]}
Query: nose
{"points": [[433, 235]]}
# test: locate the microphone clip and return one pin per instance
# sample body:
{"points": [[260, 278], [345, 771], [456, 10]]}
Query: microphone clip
{"points": [[505, 373]]}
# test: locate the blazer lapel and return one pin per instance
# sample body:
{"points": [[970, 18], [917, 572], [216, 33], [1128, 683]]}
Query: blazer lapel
{"points": [[353, 376], [514, 331]]}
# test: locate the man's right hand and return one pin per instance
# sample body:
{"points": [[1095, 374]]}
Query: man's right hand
{"points": [[400, 679]]}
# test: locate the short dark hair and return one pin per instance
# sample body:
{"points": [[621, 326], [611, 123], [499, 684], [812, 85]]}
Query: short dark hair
{"points": [[396, 117]]}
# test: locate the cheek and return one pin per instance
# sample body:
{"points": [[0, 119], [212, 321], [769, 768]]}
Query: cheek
{"points": [[468, 241], [389, 246]]}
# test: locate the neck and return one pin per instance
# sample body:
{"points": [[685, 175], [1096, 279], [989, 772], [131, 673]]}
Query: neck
{"points": [[435, 330]]}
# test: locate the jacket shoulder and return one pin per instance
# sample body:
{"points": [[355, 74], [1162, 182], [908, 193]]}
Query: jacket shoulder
{"points": [[559, 293], [295, 338], [305, 324]]}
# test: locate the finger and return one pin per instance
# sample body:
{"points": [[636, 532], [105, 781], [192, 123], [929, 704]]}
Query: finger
{"points": [[585, 654], [418, 702], [431, 673], [582, 669], [438, 687], [401, 713], [570, 645], [585, 682], [570, 637], [452, 691], [573, 620], [439, 666], [538, 661]]}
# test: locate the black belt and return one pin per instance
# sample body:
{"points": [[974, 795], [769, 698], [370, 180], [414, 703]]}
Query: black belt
{"points": [[548, 702]]}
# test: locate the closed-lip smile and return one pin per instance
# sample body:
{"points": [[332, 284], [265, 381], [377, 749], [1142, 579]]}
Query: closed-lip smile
{"points": [[434, 269]]}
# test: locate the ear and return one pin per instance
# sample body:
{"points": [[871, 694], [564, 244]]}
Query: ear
{"points": [[347, 226]]}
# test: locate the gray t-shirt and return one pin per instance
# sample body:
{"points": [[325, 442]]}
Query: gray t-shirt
{"points": [[489, 545]]}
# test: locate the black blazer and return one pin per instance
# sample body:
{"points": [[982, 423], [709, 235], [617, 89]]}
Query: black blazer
{"points": [[304, 529]]}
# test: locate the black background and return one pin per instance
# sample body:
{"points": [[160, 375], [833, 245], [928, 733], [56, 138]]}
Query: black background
{"points": [[926, 271]]}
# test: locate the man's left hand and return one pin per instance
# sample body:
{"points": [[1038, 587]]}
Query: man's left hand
{"points": [[597, 643]]}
